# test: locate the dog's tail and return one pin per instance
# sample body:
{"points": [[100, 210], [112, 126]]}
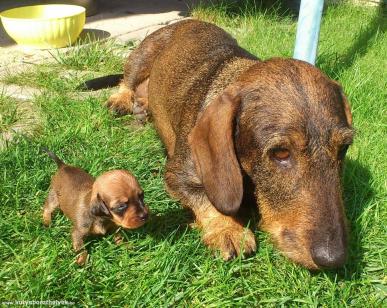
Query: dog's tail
{"points": [[101, 82], [55, 158]]}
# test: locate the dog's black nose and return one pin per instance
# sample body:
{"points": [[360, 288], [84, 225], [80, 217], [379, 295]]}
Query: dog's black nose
{"points": [[329, 245], [328, 256]]}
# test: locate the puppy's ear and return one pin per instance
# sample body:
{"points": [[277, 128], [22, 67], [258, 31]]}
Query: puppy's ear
{"points": [[99, 208], [212, 148]]}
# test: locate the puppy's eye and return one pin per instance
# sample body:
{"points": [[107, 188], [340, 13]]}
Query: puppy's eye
{"points": [[122, 207], [281, 155], [342, 151]]}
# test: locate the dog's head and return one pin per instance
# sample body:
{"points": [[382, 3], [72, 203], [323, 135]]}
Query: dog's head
{"points": [[117, 195], [287, 126]]}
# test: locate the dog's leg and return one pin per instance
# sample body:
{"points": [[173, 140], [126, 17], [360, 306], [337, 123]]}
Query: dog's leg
{"points": [[128, 100], [220, 232], [137, 71], [223, 233], [122, 101], [49, 206], [78, 236]]}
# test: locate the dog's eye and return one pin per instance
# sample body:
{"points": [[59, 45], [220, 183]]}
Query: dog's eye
{"points": [[280, 154], [342, 151], [122, 207]]}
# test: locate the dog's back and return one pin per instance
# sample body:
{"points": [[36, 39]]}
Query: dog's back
{"points": [[184, 70], [70, 184]]}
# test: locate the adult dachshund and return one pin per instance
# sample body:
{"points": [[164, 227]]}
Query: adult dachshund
{"points": [[228, 119]]}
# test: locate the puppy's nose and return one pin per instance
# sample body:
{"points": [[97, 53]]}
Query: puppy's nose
{"points": [[143, 215]]}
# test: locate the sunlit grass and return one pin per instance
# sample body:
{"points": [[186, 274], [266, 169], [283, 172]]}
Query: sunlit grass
{"points": [[164, 263]]}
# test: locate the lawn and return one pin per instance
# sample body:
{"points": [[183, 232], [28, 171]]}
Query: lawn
{"points": [[164, 263]]}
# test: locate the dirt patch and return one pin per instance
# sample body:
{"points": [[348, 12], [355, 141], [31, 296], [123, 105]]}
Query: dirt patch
{"points": [[17, 118]]}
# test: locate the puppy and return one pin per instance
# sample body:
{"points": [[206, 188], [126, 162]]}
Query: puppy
{"points": [[233, 124], [95, 206]]}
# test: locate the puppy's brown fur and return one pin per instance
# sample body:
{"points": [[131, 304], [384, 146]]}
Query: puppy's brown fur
{"points": [[228, 119], [95, 206]]}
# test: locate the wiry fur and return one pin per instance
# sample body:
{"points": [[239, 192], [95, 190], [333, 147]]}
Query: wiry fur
{"points": [[221, 114]]}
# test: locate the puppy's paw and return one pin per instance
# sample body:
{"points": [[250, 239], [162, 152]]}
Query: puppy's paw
{"points": [[121, 103], [118, 239], [82, 258], [46, 222], [46, 219], [231, 241]]}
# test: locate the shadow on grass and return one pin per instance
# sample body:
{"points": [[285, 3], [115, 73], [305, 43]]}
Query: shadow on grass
{"points": [[172, 224], [161, 225], [240, 8], [169, 226], [357, 195], [92, 35], [333, 63], [280, 8]]}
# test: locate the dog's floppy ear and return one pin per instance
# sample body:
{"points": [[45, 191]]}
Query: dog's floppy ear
{"points": [[99, 208], [212, 146], [347, 107]]}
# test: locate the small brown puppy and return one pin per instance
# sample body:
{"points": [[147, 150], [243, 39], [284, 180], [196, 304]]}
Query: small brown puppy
{"points": [[95, 206]]}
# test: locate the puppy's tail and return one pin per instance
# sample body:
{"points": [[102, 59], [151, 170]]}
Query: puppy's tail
{"points": [[55, 158], [101, 82]]}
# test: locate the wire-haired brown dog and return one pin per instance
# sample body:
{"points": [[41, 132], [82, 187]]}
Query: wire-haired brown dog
{"points": [[95, 206], [227, 119]]}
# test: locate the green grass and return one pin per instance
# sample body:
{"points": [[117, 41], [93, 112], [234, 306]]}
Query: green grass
{"points": [[8, 113], [164, 263], [17, 117]]}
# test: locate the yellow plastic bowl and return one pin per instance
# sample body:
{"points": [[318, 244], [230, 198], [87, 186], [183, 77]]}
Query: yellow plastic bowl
{"points": [[44, 26]]}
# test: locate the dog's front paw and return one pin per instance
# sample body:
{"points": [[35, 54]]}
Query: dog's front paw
{"points": [[231, 241]]}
